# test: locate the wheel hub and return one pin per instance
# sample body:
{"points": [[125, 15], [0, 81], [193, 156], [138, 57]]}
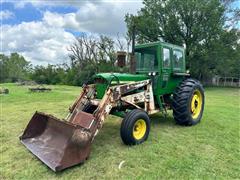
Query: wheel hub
{"points": [[139, 129], [196, 104]]}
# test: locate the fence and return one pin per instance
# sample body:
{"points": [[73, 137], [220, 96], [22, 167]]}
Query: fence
{"points": [[223, 82]]}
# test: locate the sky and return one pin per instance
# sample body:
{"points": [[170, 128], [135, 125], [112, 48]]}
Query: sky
{"points": [[42, 31]]}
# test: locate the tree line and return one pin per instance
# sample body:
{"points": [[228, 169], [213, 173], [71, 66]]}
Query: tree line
{"points": [[208, 29], [88, 55]]}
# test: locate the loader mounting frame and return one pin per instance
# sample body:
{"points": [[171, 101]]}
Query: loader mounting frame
{"points": [[115, 95]]}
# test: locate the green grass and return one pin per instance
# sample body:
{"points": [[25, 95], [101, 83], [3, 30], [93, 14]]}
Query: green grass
{"points": [[208, 150]]}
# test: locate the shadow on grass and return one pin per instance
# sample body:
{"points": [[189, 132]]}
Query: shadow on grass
{"points": [[161, 119], [110, 134], [68, 170]]}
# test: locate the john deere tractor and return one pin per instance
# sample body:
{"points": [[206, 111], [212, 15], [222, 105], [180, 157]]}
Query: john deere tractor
{"points": [[160, 82]]}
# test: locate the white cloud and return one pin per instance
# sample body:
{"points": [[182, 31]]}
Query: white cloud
{"points": [[6, 14], [46, 40], [103, 16], [106, 17], [37, 42], [67, 21]]}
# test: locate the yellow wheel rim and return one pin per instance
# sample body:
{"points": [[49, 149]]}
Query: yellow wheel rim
{"points": [[196, 104], [139, 129]]}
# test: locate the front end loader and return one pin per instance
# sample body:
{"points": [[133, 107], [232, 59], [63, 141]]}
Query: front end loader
{"points": [[160, 82]]}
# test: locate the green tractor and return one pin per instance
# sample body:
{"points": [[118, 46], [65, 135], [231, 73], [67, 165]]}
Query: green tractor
{"points": [[160, 82]]}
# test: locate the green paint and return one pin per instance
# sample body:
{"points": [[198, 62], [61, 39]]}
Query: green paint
{"points": [[114, 79], [122, 77], [119, 113], [161, 58], [101, 88]]}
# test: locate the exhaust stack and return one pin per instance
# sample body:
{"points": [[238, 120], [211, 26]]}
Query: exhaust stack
{"points": [[132, 58]]}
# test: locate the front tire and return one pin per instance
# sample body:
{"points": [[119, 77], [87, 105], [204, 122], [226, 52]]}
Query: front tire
{"points": [[188, 102], [135, 127]]}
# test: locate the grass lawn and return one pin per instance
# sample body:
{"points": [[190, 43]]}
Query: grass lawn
{"points": [[208, 150]]}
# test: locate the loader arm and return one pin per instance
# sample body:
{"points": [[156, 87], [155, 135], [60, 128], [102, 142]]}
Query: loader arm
{"points": [[110, 99]]}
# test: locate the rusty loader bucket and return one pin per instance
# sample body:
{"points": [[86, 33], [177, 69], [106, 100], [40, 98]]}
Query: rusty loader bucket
{"points": [[59, 144]]}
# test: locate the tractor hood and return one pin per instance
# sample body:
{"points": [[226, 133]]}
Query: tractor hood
{"points": [[103, 80], [121, 77]]}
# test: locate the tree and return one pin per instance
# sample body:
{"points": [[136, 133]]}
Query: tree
{"points": [[92, 50], [84, 50], [90, 55], [224, 55], [106, 49], [232, 12], [3, 69], [51, 74], [195, 24], [14, 67]]}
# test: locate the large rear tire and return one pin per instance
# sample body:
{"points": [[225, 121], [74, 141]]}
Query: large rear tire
{"points": [[188, 102], [135, 127]]}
